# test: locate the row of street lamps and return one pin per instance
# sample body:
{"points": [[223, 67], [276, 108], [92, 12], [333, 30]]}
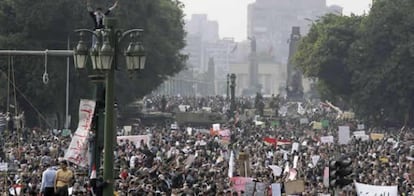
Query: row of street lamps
{"points": [[104, 59]]}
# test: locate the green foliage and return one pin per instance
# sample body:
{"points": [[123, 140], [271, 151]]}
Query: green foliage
{"points": [[47, 24], [163, 24], [323, 54], [365, 62]]}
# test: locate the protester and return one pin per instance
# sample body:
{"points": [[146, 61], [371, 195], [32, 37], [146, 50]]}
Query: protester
{"points": [[98, 15], [64, 178], [47, 187]]}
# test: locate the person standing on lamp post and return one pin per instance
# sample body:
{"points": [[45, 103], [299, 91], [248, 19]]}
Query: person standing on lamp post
{"points": [[98, 15]]}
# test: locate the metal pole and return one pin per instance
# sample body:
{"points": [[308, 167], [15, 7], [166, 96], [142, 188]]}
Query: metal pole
{"points": [[95, 140], [233, 96], [108, 172], [228, 88], [36, 52], [67, 89]]}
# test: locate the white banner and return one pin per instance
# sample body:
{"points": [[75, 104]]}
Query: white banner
{"points": [[127, 130], [343, 134], [372, 190], [216, 127], [303, 121], [301, 110], [276, 189], [315, 159], [189, 130], [4, 166], [327, 139], [277, 171], [295, 161], [295, 147], [356, 133], [361, 127], [78, 148], [174, 126], [183, 108], [361, 135], [231, 165], [136, 139]]}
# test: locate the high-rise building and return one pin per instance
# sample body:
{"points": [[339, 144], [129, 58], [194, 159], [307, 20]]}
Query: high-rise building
{"points": [[200, 32], [271, 21], [200, 25]]}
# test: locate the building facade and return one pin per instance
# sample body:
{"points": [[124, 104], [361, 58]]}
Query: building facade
{"points": [[269, 77], [270, 22]]}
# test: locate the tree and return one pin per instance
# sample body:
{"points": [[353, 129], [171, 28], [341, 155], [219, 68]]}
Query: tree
{"points": [[365, 62], [323, 54], [382, 63], [46, 24]]}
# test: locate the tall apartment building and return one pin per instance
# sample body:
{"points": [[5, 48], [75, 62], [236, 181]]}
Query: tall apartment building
{"points": [[200, 32], [271, 22]]}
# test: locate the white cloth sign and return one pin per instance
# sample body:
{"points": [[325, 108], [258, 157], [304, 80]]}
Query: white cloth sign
{"points": [[276, 189], [327, 139], [231, 165], [136, 139], [361, 126], [277, 171], [287, 168], [304, 121], [183, 108], [78, 147], [326, 177], [283, 110], [301, 110], [258, 123], [189, 130], [207, 109], [372, 190], [295, 147], [4, 166], [216, 127], [315, 159], [295, 161], [292, 174], [361, 135], [174, 126], [356, 133], [127, 130], [343, 134]]}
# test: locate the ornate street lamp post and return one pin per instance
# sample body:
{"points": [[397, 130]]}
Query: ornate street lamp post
{"points": [[105, 60]]}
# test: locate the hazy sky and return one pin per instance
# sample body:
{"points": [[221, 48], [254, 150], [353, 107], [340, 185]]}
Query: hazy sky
{"points": [[232, 14]]}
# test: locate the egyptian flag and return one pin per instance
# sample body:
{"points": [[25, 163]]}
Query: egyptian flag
{"points": [[270, 141], [93, 172]]}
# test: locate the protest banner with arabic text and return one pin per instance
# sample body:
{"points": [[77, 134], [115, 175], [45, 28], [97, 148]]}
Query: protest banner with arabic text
{"points": [[78, 147]]}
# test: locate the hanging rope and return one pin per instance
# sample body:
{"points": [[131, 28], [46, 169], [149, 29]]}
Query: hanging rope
{"points": [[14, 86], [45, 75], [28, 101], [8, 84]]}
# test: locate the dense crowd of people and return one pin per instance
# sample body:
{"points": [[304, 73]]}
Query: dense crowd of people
{"points": [[183, 161]]}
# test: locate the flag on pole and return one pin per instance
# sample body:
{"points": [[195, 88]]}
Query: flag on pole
{"points": [[93, 172], [234, 48]]}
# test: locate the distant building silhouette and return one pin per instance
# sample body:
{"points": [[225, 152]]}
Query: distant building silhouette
{"points": [[270, 22]]}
